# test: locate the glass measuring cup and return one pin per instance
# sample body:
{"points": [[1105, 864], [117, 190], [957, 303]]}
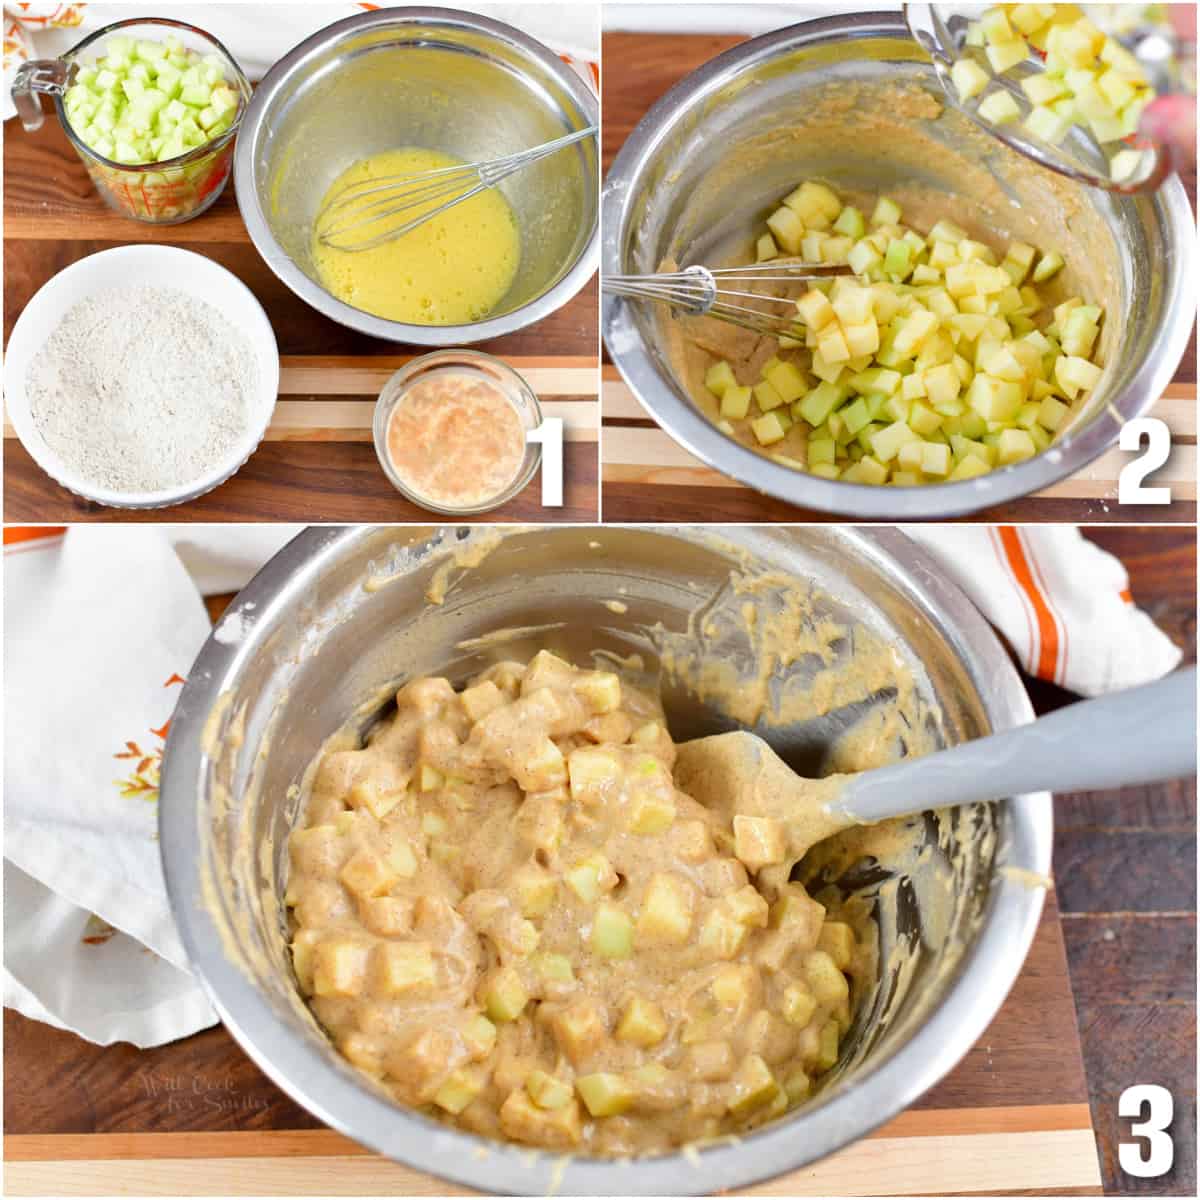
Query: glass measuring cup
{"points": [[941, 30], [160, 193]]}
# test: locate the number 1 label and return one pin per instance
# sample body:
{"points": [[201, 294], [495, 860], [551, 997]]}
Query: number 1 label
{"points": [[549, 435]]}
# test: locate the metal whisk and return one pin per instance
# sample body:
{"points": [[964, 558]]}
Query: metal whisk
{"points": [[712, 292], [364, 215]]}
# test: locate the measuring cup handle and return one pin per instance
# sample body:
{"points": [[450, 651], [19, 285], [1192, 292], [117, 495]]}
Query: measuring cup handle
{"points": [[38, 77]]}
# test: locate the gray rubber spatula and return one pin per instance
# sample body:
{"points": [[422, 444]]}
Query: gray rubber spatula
{"points": [[1136, 736]]}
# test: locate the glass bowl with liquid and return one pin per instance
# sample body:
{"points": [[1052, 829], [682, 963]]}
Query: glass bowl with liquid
{"points": [[451, 432]]}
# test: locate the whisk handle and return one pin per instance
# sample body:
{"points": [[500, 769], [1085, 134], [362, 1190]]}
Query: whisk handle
{"points": [[491, 173]]}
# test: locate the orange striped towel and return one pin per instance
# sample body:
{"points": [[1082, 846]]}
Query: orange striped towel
{"points": [[1063, 604]]}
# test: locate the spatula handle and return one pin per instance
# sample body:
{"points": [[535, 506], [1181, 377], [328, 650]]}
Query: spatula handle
{"points": [[1136, 736]]}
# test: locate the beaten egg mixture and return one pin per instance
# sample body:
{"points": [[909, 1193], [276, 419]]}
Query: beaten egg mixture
{"points": [[453, 269]]}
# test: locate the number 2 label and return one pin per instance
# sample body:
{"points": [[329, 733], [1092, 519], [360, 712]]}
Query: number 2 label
{"points": [[1154, 1155], [1158, 447]]}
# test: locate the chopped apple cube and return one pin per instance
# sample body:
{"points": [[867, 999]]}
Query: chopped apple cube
{"points": [[771, 428], [1043, 122], [601, 689], [642, 1023], [368, 874], [548, 1092], [606, 1094], [765, 395], [612, 932], [1052, 413], [754, 1087], [340, 967], [735, 403], [580, 1030], [666, 914], [651, 813], [523, 1121], [799, 1004], [378, 801], [827, 1046], [1076, 375], [1048, 266], [479, 1036], [935, 459], [721, 935], [887, 442], [590, 877], [787, 228], [816, 205], [759, 841], [747, 906], [765, 249], [815, 310], [535, 889], [999, 108], [1014, 445], [719, 377], [402, 967], [594, 774], [969, 78], [969, 468], [459, 1090], [825, 979], [505, 996], [787, 380]]}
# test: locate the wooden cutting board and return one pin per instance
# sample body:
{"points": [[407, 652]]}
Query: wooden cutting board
{"points": [[317, 462], [647, 476], [198, 1118]]}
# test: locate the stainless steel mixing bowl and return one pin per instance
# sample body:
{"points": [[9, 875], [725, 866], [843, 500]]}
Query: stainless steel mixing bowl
{"points": [[437, 77], [341, 614], [664, 197]]}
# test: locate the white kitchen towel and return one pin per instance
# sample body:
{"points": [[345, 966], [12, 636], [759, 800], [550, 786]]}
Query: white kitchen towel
{"points": [[1062, 603], [101, 626], [257, 35]]}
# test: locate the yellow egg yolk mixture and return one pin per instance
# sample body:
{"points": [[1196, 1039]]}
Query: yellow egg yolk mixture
{"points": [[454, 268]]}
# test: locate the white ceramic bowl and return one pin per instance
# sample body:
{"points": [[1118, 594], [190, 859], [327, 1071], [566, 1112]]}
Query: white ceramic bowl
{"points": [[159, 266]]}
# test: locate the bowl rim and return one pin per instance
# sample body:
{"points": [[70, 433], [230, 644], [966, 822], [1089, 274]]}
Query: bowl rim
{"points": [[332, 1091], [249, 201], [683, 422], [169, 263]]}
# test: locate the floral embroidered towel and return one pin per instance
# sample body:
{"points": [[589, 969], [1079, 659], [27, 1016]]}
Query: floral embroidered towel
{"points": [[101, 626]]}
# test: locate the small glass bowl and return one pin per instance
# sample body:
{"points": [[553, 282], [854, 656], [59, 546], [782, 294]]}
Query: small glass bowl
{"points": [[471, 363]]}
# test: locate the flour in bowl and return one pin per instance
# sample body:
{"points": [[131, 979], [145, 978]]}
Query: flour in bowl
{"points": [[142, 389]]}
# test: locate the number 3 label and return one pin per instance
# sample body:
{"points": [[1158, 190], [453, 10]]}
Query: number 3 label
{"points": [[1158, 1148], [1158, 447]]}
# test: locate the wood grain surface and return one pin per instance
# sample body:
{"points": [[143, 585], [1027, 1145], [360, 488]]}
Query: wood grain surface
{"points": [[1125, 866], [317, 462], [647, 476]]}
